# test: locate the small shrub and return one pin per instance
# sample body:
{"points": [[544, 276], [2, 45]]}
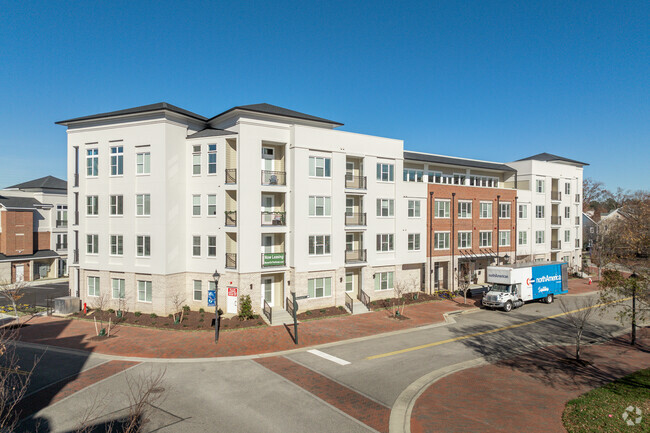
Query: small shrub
{"points": [[201, 319], [137, 314], [186, 309], [110, 310], [170, 316], [322, 311], [153, 315], [201, 310], [245, 308], [184, 325], [308, 312], [340, 307]]}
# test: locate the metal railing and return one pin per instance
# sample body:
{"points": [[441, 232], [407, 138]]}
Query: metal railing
{"points": [[75, 257], [364, 298], [577, 221], [273, 259], [274, 177], [231, 260], [556, 195], [355, 256], [76, 218], [273, 218], [231, 218], [577, 198], [556, 220], [62, 223], [289, 304], [76, 179], [556, 245], [231, 175], [268, 311], [355, 182], [349, 302], [355, 219]]}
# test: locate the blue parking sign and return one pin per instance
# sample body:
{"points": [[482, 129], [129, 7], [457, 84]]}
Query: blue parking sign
{"points": [[212, 298]]}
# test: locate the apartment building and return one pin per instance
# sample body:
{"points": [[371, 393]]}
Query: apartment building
{"points": [[33, 230], [549, 209]]}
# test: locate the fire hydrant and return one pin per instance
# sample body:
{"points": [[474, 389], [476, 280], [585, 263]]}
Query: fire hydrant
{"points": [[589, 280], [85, 311]]}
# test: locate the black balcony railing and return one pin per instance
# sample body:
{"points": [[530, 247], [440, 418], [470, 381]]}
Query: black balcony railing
{"points": [[273, 259], [274, 177], [274, 218], [556, 195], [75, 257], [231, 260], [556, 245], [355, 182], [231, 175], [231, 218], [355, 219], [355, 256], [556, 220], [364, 298], [349, 302], [61, 223], [76, 179], [76, 218]]}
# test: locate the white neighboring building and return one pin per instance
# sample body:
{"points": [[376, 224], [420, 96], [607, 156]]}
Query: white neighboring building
{"points": [[549, 209]]}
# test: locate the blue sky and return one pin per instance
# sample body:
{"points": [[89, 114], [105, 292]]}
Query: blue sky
{"points": [[497, 80]]}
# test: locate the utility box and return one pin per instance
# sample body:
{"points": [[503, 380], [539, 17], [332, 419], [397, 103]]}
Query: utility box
{"points": [[67, 305]]}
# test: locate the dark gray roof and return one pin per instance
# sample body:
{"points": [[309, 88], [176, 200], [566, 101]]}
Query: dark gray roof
{"points": [[47, 182], [548, 157], [277, 111], [143, 109], [210, 132], [439, 159], [42, 254], [18, 202]]}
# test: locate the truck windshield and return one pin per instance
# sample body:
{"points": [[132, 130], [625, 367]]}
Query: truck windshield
{"points": [[502, 288]]}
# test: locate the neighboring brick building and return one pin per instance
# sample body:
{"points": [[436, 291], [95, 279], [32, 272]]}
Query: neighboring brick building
{"points": [[33, 230]]}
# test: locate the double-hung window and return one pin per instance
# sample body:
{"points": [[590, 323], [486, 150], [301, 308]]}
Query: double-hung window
{"points": [[441, 240], [523, 211], [504, 238], [143, 246], [212, 205], [567, 212], [92, 244], [212, 246], [539, 185], [567, 236], [485, 239], [143, 205], [320, 206], [385, 242], [385, 172], [486, 209], [442, 208], [414, 242], [523, 238], [539, 211], [414, 208], [212, 158], [117, 161], [319, 287], [144, 291], [567, 189], [143, 163], [93, 286], [196, 205], [117, 205], [464, 209], [504, 210], [198, 290], [92, 205], [383, 281], [92, 162], [319, 245], [385, 207], [196, 160], [117, 284], [464, 240], [320, 167], [117, 245], [539, 237], [196, 246]]}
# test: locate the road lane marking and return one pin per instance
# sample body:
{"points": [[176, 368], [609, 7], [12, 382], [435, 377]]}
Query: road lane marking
{"points": [[490, 331], [328, 357]]}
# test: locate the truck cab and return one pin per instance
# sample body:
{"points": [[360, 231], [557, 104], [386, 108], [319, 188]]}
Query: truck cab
{"points": [[504, 296]]}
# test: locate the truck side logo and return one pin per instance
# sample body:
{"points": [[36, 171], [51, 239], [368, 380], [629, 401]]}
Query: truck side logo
{"points": [[528, 281]]}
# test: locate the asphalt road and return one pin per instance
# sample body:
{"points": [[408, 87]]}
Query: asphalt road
{"points": [[38, 295], [244, 396]]}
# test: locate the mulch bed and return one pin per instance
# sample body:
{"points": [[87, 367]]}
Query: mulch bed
{"points": [[407, 299], [192, 321], [321, 313]]}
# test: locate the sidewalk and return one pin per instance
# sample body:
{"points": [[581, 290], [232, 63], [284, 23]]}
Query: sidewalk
{"points": [[130, 341]]}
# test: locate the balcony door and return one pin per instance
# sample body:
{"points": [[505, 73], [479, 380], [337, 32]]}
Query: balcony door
{"points": [[268, 206], [268, 156], [267, 244]]}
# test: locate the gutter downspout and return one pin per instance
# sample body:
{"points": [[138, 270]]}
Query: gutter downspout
{"points": [[453, 237]]}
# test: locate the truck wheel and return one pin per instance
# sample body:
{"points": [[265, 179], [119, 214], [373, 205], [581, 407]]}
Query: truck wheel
{"points": [[508, 307], [549, 299]]}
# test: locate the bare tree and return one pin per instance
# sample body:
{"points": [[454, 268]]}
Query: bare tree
{"points": [[464, 282], [578, 315], [593, 192], [100, 305], [12, 292], [401, 288], [178, 299]]}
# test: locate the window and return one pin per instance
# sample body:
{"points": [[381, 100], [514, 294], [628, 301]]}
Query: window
{"points": [[385, 242], [523, 211], [504, 210], [61, 215], [539, 237], [486, 209], [414, 208], [414, 242], [198, 290], [413, 175], [319, 287], [539, 211], [212, 205], [464, 240], [143, 163], [196, 205], [567, 212], [385, 172], [212, 246], [144, 291], [196, 246], [523, 238], [383, 280], [117, 161], [567, 235], [490, 182], [212, 158], [349, 281], [117, 284], [385, 207], [319, 245], [567, 188], [92, 205], [143, 246], [442, 208], [459, 179], [464, 209], [143, 205], [485, 239], [196, 160], [93, 286], [504, 238], [62, 241], [320, 167], [92, 246], [92, 162], [117, 245], [320, 206], [539, 185], [441, 240], [117, 205]]}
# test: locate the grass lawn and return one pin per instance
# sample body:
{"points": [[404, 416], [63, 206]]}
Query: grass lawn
{"points": [[601, 409]]}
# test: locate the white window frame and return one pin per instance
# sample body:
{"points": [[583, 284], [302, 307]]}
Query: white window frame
{"points": [[143, 208], [117, 245], [92, 205], [95, 290], [538, 214], [464, 239], [212, 205], [92, 162], [320, 202], [116, 205], [196, 160], [196, 205], [413, 209], [523, 240], [504, 210], [441, 236], [117, 161], [413, 242], [540, 186], [567, 212], [413, 175], [524, 214], [324, 284], [143, 163], [540, 239], [485, 239], [504, 236], [385, 242], [322, 242], [384, 281], [120, 288], [485, 210], [92, 244], [143, 246], [567, 189], [196, 246], [197, 288], [464, 208], [322, 163], [385, 172], [145, 291], [567, 235], [444, 206], [212, 159], [387, 206], [212, 246]]}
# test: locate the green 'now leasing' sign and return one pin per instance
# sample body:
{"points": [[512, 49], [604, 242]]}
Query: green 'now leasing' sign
{"points": [[273, 259]]}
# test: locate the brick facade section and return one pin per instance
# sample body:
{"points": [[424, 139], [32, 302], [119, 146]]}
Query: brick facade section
{"points": [[42, 241], [27, 273], [17, 233]]}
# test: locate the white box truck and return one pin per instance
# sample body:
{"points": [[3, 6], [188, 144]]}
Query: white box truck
{"points": [[512, 285]]}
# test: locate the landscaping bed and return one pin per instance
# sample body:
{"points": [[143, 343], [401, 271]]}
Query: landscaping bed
{"points": [[602, 409], [407, 299], [320, 313]]}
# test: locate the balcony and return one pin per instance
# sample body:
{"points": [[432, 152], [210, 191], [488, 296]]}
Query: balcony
{"points": [[355, 256], [75, 257], [577, 243], [274, 218], [556, 245], [273, 259], [355, 219], [556, 220], [231, 175], [355, 182], [274, 177], [231, 260], [61, 224], [577, 198], [556, 195], [76, 179], [577, 221], [231, 218]]}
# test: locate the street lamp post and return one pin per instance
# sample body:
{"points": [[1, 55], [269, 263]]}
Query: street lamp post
{"points": [[216, 276]]}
